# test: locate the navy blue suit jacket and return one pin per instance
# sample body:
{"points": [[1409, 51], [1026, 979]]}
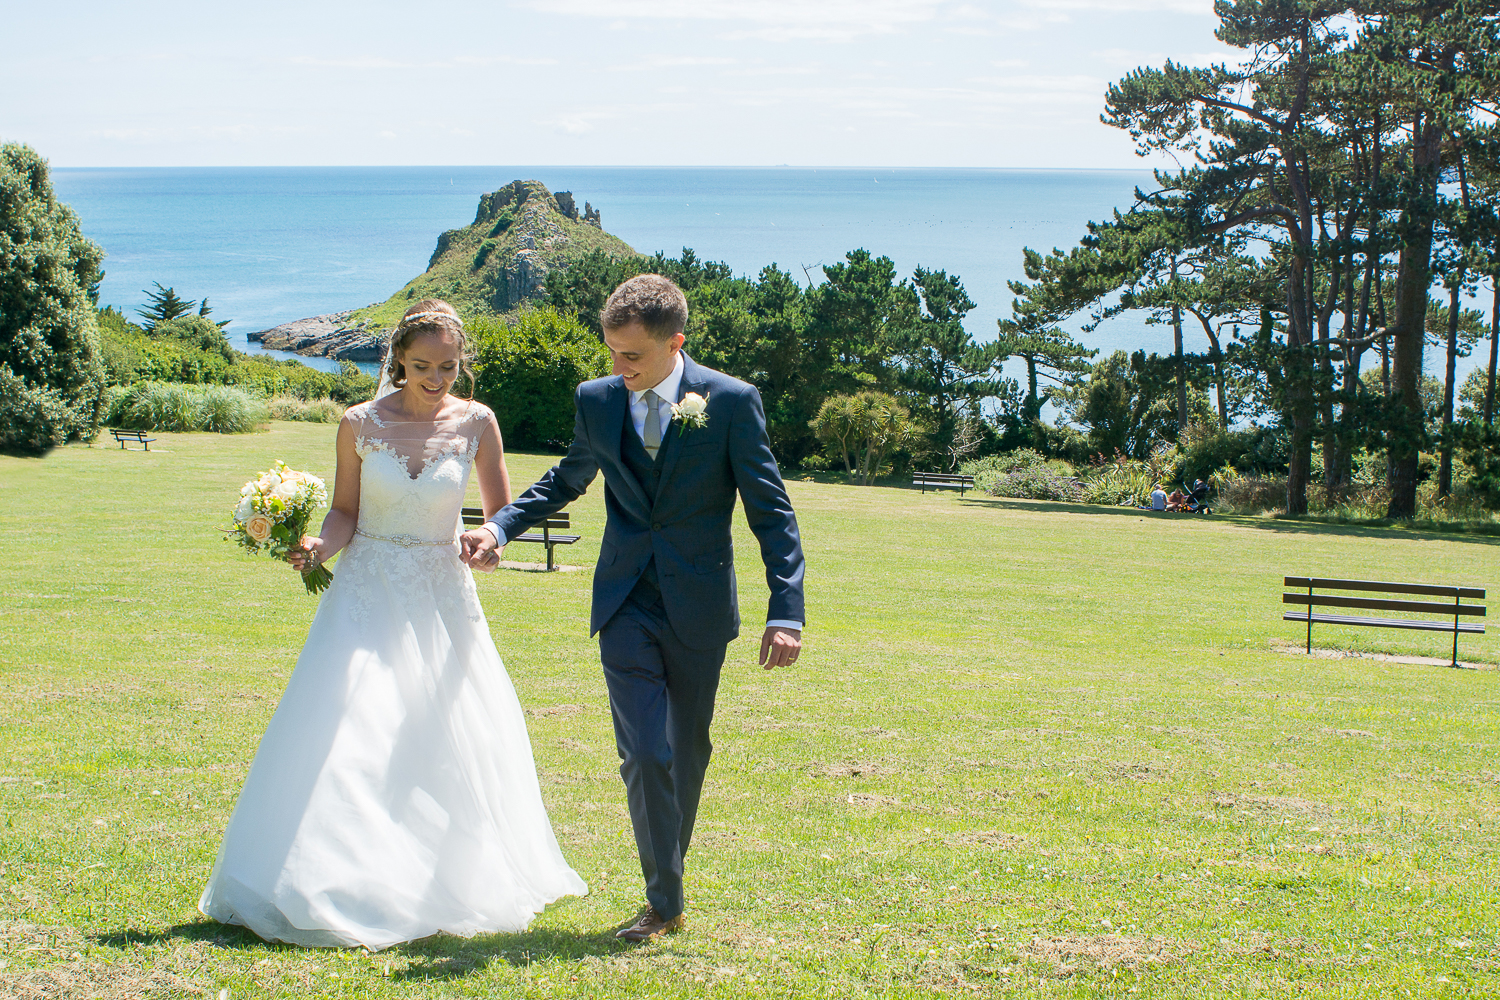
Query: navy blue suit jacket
{"points": [[685, 526]]}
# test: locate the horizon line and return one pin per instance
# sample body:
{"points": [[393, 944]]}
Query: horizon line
{"points": [[581, 166]]}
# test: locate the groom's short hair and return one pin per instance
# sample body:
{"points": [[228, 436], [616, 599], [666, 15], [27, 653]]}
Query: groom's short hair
{"points": [[651, 300]]}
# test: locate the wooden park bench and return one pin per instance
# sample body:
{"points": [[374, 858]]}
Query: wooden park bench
{"points": [[137, 436], [1456, 610], [474, 516], [938, 480]]}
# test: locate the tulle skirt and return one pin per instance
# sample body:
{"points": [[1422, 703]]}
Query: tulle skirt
{"points": [[394, 793]]}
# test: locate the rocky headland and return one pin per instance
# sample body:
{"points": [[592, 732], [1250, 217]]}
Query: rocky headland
{"points": [[327, 336], [520, 234]]}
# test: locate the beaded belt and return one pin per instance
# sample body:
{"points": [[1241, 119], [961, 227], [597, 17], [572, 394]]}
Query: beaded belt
{"points": [[405, 541]]}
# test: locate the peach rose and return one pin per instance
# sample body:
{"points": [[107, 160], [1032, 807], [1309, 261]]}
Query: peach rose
{"points": [[258, 527]]}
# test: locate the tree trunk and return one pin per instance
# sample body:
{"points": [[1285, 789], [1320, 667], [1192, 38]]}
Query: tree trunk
{"points": [[1413, 277], [1182, 417], [1445, 459], [1489, 390]]}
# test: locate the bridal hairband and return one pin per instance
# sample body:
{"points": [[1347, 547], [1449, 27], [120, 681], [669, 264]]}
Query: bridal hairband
{"points": [[429, 315]]}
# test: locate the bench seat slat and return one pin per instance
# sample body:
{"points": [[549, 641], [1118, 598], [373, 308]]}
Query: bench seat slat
{"points": [[1468, 628], [1431, 590], [1373, 604], [555, 539]]}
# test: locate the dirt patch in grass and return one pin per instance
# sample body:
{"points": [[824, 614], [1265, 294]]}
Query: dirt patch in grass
{"points": [[852, 770], [988, 838], [1074, 953], [101, 980], [559, 710], [870, 800], [1271, 805]]}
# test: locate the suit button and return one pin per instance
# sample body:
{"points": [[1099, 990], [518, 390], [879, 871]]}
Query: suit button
{"points": [[656, 526]]}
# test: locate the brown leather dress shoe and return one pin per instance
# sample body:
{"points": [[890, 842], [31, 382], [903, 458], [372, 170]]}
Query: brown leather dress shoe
{"points": [[649, 925]]}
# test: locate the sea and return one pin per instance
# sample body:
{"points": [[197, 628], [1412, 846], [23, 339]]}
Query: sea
{"points": [[267, 245]]}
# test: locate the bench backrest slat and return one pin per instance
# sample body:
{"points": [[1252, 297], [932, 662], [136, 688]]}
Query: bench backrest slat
{"points": [[475, 516], [1426, 607], [1317, 583]]}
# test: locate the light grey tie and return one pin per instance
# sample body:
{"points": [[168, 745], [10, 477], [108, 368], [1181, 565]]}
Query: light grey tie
{"points": [[652, 428]]}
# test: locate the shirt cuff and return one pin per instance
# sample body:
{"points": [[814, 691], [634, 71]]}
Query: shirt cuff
{"points": [[779, 623], [499, 538]]}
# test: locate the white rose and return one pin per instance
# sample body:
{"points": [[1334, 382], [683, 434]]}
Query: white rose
{"points": [[248, 489], [692, 405], [244, 510], [269, 482], [286, 490]]}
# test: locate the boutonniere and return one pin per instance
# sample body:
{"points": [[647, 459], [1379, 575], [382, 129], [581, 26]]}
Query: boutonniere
{"points": [[692, 411]]}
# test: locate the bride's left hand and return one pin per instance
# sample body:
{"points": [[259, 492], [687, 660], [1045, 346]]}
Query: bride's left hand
{"points": [[477, 550], [308, 556]]}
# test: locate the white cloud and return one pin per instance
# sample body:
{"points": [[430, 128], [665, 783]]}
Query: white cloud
{"points": [[381, 63], [673, 62], [833, 20], [1204, 7], [776, 71]]}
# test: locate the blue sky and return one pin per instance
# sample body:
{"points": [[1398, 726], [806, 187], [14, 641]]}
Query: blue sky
{"points": [[1007, 83]]}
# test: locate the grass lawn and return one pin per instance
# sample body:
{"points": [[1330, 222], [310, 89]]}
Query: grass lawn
{"points": [[1030, 749]]}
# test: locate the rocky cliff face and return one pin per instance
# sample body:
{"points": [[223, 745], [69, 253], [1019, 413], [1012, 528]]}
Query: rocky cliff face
{"points": [[520, 234]]}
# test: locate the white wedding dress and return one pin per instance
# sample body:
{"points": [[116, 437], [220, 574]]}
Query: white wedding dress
{"points": [[394, 793]]}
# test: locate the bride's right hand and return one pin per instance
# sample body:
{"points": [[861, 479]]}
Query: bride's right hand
{"points": [[308, 556]]}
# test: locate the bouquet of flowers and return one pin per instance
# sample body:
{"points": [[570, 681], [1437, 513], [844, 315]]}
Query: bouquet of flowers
{"points": [[273, 515]]}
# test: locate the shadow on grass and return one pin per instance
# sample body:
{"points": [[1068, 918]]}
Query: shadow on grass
{"points": [[1283, 524], [205, 931], [445, 957], [441, 956]]}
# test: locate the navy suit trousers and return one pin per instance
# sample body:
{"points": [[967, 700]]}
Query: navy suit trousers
{"points": [[661, 696]]}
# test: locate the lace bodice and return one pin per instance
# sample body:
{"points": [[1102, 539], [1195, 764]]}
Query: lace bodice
{"points": [[412, 480], [414, 474]]}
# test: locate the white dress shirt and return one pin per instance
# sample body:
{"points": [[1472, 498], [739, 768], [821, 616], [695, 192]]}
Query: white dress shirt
{"points": [[667, 390]]}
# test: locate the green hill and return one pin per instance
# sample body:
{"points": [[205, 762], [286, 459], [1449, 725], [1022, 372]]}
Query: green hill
{"points": [[520, 234]]}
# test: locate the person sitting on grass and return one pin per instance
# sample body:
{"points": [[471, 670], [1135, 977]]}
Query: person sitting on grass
{"points": [[1158, 498], [1177, 502]]}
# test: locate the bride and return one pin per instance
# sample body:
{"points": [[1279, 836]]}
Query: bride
{"points": [[394, 794]]}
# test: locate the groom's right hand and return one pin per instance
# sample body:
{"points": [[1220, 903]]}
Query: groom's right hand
{"points": [[479, 550]]}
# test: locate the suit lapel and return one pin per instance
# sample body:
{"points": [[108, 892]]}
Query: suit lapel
{"points": [[692, 381], [616, 410]]}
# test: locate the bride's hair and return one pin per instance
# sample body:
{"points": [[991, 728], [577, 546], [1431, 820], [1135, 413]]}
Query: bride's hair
{"points": [[428, 316]]}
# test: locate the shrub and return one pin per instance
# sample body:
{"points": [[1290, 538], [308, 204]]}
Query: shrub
{"points": [[1119, 486], [32, 418], [49, 276], [1252, 494], [169, 406], [526, 371], [1033, 483], [222, 409], [315, 411]]}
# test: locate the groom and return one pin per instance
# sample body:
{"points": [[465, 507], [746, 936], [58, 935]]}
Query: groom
{"points": [[665, 605]]}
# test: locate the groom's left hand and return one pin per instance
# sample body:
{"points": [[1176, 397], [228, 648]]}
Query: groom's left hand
{"points": [[779, 647]]}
